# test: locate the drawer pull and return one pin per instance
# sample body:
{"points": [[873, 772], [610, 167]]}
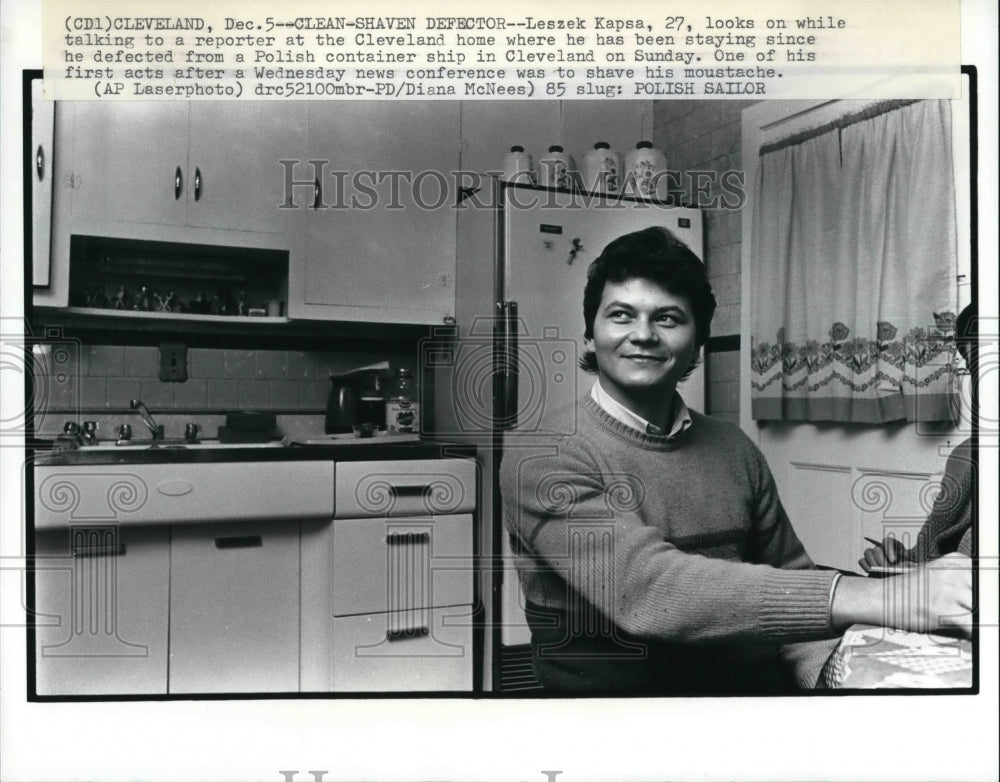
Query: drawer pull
{"points": [[410, 489], [239, 541], [175, 488], [407, 633], [405, 538], [98, 550]]}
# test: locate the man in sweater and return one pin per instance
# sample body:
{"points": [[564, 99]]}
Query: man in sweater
{"points": [[652, 547]]}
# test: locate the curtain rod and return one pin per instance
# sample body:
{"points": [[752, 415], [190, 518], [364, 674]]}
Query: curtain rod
{"points": [[876, 109]]}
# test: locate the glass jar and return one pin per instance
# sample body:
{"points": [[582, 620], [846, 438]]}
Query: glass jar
{"points": [[402, 406]]}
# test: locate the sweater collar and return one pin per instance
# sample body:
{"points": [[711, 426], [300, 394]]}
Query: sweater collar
{"points": [[614, 408]]}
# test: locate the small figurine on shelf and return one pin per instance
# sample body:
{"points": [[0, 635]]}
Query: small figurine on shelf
{"points": [[93, 295], [241, 304], [120, 300], [142, 299], [165, 302]]}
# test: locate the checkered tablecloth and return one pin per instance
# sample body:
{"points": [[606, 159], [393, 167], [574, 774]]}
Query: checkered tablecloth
{"points": [[878, 657]]}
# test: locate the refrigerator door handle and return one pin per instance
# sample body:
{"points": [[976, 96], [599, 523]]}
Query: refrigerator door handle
{"points": [[505, 371]]}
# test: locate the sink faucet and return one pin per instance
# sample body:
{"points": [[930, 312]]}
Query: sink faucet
{"points": [[147, 419]]}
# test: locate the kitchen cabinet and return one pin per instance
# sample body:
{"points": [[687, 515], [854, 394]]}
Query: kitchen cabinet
{"points": [[249, 577], [234, 608], [101, 602], [403, 576], [235, 149], [185, 172], [128, 162], [376, 240], [41, 175], [210, 164]]}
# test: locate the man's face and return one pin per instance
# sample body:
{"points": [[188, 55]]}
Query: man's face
{"points": [[644, 339]]}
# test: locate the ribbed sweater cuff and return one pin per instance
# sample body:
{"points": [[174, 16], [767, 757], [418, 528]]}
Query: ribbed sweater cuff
{"points": [[795, 602]]}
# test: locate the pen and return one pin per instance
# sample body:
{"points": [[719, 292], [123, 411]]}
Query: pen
{"points": [[876, 542]]}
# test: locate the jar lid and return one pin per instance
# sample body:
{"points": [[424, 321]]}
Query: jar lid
{"points": [[556, 148], [602, 145], [644, 145], [517, 148]]}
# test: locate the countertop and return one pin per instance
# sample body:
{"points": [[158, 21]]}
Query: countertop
{"points": [[333, 451]]}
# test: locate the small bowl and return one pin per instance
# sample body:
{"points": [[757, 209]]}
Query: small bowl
{"points": [[365, 430]]}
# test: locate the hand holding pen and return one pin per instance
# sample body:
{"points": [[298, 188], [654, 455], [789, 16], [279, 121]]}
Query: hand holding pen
{"points": [[882, 556]]}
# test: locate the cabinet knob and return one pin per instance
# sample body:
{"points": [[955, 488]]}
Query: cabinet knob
{"points": [[178, 183], [197, 184], [40, 163]]}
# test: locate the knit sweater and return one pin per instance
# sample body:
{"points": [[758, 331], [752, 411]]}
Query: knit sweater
{"points": [[949, 524], [677, 541]]}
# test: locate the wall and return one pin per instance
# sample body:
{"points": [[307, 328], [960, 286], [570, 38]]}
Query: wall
{"points": [[706, 136], [96, 382]]}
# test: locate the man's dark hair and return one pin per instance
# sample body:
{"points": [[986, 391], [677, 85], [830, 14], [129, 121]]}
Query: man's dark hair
{"points": [[652, 254], [966, 335]]}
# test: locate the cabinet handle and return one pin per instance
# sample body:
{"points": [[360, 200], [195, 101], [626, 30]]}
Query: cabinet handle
{"points": [[40, 162], [317, 194], [506, 367], [98, 550], [408, 632], [178, 183], [409, 489], [239, 541], [403, 538], [197, 184]]}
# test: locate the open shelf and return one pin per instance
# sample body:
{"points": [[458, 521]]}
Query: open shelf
{"points": [[124, 277], [169, 317]]}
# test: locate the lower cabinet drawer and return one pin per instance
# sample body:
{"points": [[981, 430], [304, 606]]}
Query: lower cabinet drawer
{"points": [[234, 608], [426, 650], [401, 564], [101, 596]]}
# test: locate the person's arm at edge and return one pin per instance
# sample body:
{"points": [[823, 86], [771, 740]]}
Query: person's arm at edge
{"points": [[934, 595]]}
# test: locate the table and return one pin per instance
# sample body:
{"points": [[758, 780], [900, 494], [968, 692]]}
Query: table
{"points": [[871, 657]]}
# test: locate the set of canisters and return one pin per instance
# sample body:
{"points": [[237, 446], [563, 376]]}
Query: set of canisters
{"points": [[642, 173]]}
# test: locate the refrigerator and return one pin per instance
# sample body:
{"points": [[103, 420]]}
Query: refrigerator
{"points": [[505, 375]]}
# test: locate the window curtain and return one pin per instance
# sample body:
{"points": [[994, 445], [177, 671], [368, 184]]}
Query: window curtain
{"points": [[854, 272]]}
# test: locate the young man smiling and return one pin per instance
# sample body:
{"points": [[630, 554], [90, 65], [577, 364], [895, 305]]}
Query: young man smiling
{"points": [[652, 547]]}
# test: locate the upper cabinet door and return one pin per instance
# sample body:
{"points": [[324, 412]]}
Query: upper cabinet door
{"points": [[129, 162], [235, 178], [381, 245], [42, 159]]}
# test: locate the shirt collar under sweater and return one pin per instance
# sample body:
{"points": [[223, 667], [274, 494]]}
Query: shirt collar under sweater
{"points": [[614, 408]]}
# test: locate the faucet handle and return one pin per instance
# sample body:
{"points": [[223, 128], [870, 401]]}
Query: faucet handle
{"points": [[90, 432]]}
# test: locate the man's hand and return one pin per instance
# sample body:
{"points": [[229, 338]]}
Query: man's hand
{"points": [[936, 595], [889, 552]]}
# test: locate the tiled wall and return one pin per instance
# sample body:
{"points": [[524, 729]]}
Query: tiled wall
{"points": [[706, 136], [97, 381]]}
